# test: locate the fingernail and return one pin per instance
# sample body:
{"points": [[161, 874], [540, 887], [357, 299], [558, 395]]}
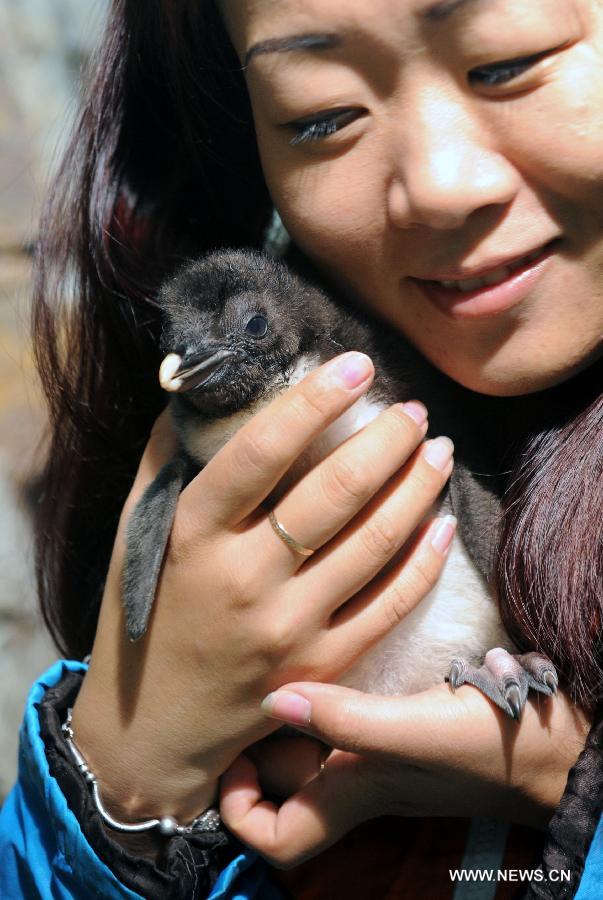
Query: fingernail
{"points": [[416, 411], [352, 369], [288, 707], [442, 533], [438, 452]]}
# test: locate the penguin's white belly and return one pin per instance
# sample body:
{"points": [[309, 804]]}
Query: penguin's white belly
{"points": [[459, 617]]}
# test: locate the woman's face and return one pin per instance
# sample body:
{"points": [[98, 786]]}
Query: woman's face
{"points": [[411, 144]]}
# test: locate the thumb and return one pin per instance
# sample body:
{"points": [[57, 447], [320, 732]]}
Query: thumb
{"points": [[342, 717]]}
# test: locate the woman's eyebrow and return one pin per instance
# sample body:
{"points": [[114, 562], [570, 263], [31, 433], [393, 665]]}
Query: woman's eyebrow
{"points": [[291, 42], [435, 12], [443, 9]]}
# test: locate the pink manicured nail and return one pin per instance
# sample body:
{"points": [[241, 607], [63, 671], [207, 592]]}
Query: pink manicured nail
{"points": [[288, 707], [416, 411], [438, 452], [442, 533], [353, 369]]}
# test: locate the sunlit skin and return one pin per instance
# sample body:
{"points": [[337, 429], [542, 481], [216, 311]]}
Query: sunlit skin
{"points": [[446, 161], [402, 147], [402, 144]]}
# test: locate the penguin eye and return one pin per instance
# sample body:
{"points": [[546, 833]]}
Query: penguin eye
{"points": [[257, 326]]}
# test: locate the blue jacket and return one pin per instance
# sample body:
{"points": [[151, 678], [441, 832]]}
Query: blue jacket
{"points": [[44, 854]]}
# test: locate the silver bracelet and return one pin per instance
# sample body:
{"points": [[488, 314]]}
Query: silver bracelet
{"points": [[167, 826]]}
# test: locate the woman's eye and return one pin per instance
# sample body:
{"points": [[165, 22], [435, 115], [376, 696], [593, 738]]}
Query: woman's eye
{"points": [[257, 326], [321, 126], [504, 72]]}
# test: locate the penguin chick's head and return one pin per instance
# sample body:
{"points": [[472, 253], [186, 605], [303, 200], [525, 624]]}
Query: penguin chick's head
{"points": [[235, 325]]}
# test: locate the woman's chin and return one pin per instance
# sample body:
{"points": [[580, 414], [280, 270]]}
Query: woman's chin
{"points": [[505, 380]]}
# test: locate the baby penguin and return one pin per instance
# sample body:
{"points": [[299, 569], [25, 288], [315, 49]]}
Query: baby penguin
{"points": [[240, 329]]}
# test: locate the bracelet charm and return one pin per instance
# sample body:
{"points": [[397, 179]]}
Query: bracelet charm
{"points": [[167, 826]]}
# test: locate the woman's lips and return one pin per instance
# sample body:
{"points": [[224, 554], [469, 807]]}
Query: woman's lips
{"points": [[488, 300]]}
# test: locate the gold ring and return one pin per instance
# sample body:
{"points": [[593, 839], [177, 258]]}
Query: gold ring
{"points": [[324, 755], [286, 537]]}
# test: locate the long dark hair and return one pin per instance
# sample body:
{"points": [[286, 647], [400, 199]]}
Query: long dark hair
{"points": [[164, 164]]}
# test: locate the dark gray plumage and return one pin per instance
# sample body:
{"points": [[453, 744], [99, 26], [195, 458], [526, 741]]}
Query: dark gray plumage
{"points": [[239, 329]]}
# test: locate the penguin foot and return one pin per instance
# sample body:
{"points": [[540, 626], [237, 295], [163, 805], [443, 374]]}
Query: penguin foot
{"points": [[506, 678]]}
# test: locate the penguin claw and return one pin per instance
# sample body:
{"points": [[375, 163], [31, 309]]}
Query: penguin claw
{"points": [[513, 698], [550, 679], [506, 679], [455, 675]]}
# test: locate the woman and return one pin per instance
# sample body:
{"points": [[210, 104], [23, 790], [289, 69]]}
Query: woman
{"points": [[415, 153]]}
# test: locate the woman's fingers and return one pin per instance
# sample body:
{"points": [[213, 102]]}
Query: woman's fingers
{"points": [[342, 717], [251, 464], [285, 763], [420, 729], [390, 597], [336, 489], [409, 727], [359, 552], [359, 623], [432, 753], [307, 823]]}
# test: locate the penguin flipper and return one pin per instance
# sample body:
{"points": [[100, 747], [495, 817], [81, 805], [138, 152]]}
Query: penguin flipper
{"points": [[147, 534]]}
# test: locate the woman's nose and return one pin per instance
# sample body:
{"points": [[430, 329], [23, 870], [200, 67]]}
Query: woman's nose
{"points": [[446, 167]]}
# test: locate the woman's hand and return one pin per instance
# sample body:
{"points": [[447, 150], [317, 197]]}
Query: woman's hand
{"points": [[237, 612], [431, 754]]}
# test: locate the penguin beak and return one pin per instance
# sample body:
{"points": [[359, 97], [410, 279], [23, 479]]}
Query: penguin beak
{"points": [[178, 374]]}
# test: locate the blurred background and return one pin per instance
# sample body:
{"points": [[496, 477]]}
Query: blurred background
{"points": [[43, 46]]}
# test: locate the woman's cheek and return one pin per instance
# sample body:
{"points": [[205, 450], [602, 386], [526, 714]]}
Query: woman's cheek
{"points": [[325, 195], [557, 134], [331, 210]]}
